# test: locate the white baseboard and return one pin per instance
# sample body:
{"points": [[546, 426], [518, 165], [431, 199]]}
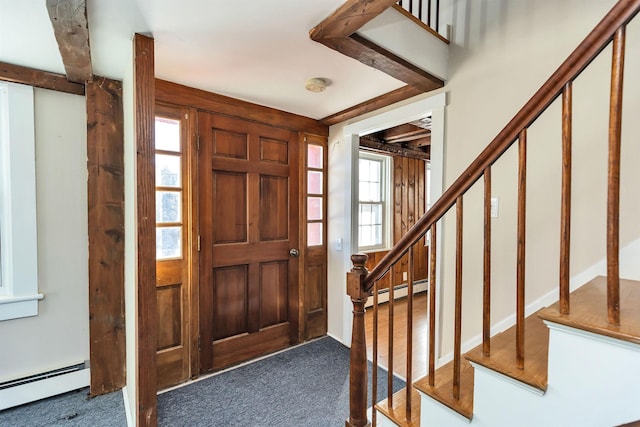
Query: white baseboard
{"points": [[41, 389]]}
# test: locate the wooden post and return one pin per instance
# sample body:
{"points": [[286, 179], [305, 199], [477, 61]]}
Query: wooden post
{"points": [[358, 365]]}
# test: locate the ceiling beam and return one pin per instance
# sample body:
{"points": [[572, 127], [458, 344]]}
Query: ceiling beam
{"points": [[38, 78], [69, 20], [422, 142], [349, 18], [397, 150], [404, 133], [405, 92]]}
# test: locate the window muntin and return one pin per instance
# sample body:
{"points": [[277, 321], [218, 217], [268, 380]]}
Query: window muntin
{"points": [[169, 190], [373, 188], [315, 195]]}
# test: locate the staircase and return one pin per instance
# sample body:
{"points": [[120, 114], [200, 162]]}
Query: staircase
{"points": [[574, 363]]}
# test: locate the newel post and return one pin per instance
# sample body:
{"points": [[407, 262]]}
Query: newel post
{"points": [[358, 367]]}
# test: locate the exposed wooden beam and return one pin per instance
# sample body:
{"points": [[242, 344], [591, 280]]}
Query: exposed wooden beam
{"points": [[422, 142], [69, 20], [105, 164], [144, 125], [37, 78], [373, 104], [338, 32], [394, 149], [404, 133], [349, 18]]}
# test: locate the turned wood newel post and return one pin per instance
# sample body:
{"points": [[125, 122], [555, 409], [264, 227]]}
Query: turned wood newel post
{"points": [[358, 368]]}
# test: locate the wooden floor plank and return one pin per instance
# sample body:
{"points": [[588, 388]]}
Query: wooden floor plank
{"points": [[503, 353], [589, 310]]}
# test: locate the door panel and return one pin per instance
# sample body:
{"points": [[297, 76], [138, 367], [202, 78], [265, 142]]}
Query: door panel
{"points": [[249, 206]]}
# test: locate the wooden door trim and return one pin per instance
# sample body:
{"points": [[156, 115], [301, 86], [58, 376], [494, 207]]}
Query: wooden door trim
{"points": [[144, 105]]}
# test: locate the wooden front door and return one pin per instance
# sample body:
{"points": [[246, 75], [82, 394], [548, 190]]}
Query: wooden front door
{"points": [[248, 224]]}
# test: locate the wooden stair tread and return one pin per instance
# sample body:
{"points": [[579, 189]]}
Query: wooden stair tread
{"points": [[398, 410], [589, 310], [442, 391], [503, 353]]}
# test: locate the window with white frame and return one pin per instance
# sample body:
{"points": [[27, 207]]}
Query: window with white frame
{"points": [[373, 204], [18, 234]]}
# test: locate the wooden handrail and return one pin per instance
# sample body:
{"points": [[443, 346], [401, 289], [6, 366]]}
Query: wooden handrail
{"points": [[581, 57]]}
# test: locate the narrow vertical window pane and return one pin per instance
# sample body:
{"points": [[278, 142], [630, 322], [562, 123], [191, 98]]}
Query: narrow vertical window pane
{"points": [[314, 208], [314, 234], [314, 182], [167, 134], [168, 241], [314, 156], [167, 171], [168, 206]]}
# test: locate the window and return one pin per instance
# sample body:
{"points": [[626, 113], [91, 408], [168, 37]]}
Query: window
{"points": [[169, 190], [373, 194], [18, 233], [315, 195]]}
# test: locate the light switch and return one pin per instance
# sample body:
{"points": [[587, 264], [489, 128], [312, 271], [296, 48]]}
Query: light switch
{"points": [[495, 207], [338, 244]]}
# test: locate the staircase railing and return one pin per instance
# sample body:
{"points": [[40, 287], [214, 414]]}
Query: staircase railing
{"points": [[427, 11], [361, 284]]}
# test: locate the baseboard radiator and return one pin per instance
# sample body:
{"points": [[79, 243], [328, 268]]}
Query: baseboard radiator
{"points": [[46, 384]]}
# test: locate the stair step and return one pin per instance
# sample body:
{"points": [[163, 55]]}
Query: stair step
{"points": [[398, 410], [503, 353], [442, 391], [589, 310]]}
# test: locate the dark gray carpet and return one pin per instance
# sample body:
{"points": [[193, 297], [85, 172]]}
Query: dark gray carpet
{"points": [[73, 409], [305, 386]]}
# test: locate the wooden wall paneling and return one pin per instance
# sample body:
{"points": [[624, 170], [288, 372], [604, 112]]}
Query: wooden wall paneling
{"points": [[105, 164], [38, 78], [220, 104], [70, 26], [144, 125]]}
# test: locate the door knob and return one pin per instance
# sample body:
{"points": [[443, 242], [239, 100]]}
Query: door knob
{"points": [[294, 252]]}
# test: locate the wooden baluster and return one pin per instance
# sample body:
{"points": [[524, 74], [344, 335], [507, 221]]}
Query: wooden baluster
{"points": [[457, 339], [400, 3], [613, 198], [409, 333], [522, 206], [390, 340], [486, 285], [437, 16], [432, 305], [411, 6], [429, 13], [358, 360], [420, 10], [374, 365], [565, 209]]}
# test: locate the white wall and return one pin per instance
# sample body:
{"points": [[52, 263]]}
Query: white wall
{"points": [[59, 335], [501, 53]]}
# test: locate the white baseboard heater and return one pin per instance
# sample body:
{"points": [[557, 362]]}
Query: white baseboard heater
{"points": [[46, 384]]}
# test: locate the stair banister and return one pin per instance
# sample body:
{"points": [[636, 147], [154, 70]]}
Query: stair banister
{"points": [[360, 282]]}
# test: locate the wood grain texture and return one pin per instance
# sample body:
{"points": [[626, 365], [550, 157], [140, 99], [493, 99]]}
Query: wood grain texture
{"points": [[208, 101], [613, 182], [486, 272], [397, 408], [565, 203], [396, 150], [442, 389], [589, 310], [144, 131], [105, 184], [349, 18], [503, 357], [457, 337], [579, 59], [372, 104], [38, 78], [432, 304], [521, 246], [70, 26]]}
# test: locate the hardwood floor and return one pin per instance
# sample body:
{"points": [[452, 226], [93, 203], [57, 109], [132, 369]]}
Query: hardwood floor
{"points": [[420, 336]]}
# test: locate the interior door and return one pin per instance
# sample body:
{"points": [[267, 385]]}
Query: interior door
{"points": [[248, 224]]}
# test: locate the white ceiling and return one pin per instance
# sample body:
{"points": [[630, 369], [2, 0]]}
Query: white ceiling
{"points": [[255, 50]]}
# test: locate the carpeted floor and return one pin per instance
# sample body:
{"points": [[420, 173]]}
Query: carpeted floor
{"points": [[73, 409], [305, 386]]}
